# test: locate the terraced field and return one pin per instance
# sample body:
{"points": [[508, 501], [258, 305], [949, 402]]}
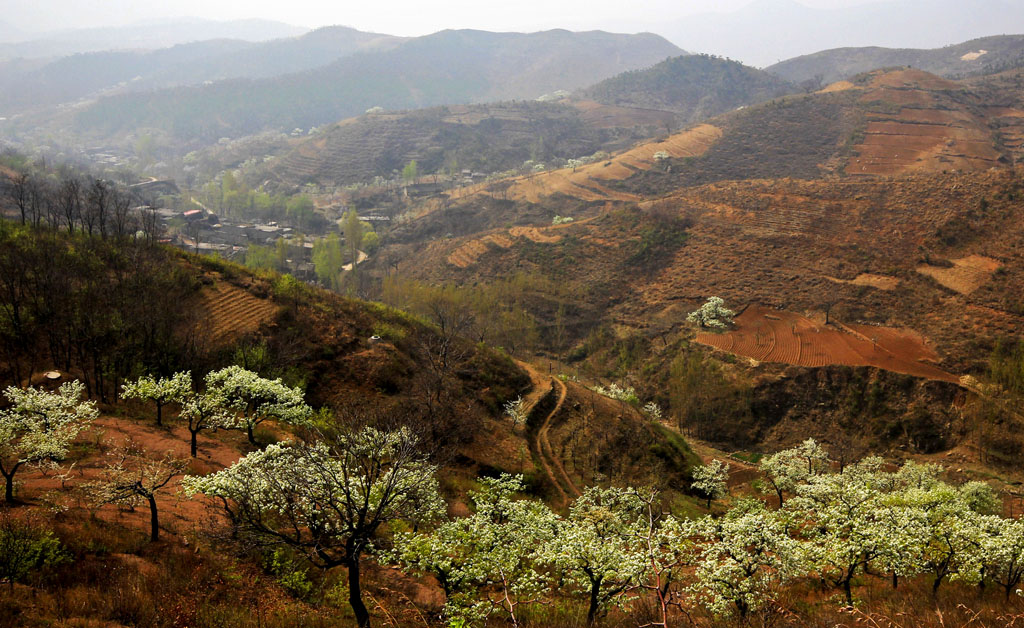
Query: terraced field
{"points": [[916, 123], [234, 312], [588, 182], [767, 335], [470, 252]]}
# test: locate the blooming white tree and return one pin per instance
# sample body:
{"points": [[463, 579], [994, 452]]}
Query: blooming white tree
{"points": [[161, 391], [742, 558], [256, 399], [711, 480], [713, 314], [1002, 547], [835, 515], [132, 477], [667, 547], [786, 469], [595, 547], [901, 532], [39, 426], [203, 411], [955, 535], [492, 561], [515, 409], [327, 499]]}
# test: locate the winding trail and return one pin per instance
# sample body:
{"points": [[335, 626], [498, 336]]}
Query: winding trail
{"points": [[540, 445]]}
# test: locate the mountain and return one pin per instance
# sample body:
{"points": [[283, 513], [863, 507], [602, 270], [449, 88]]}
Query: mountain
{"points": [[26, 85], [448, 67], [767, 31], [146, 35], [482, 138], [883, 123], [693, 86], [978, 56], [868, 233]]}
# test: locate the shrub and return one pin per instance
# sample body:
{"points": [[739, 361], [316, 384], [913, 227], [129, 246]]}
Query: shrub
{"points": [[26, 547]]}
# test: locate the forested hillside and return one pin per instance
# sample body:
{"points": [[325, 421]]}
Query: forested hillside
{"points": [[444, 68], [695, 87]]}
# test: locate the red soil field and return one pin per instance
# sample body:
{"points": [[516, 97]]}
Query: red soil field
{"points": [[768, 335]]}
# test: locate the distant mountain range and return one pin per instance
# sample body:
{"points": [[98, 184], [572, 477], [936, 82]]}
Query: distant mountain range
{"points": [[145, 36], [978, 56], [26, 84], [768, 31], [449, 67]]}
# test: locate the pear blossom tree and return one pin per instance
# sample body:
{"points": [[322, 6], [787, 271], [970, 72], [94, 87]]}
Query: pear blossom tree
{"points": [[204, 411], [713, 314], [835, 514], [162, 391], [328, 499], [595, 546], [256, 399], [132, 477], [786, 469], [492, 561], [39, 426], [516, 411], [955, 527], [1002, 547], [667, 547], [711, 480], [743, 557], [901, 538]]}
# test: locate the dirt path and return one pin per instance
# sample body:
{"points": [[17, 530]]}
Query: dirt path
{"points": [[539, 444], [545, 445]]}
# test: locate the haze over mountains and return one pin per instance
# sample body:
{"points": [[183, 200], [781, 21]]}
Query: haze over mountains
{"points": [[15, 43], [769, 31]]}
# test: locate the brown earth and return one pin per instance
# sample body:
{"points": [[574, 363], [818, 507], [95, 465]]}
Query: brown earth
{"points": [[768, 335], [966, 275], [233, 312]]}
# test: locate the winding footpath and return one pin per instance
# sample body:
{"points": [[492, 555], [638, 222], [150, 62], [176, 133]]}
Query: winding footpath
{"points": [[540, 444]]}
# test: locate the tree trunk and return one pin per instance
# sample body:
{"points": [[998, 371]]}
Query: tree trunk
{"points": [[193, 447], [9, 483], [848, 591], [154, 524], [159, 414], [895, 581], [595, 588], [248, 431], [355, 594]]}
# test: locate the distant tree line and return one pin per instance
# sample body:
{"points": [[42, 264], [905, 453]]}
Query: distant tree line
{"points": [[74, 202]]}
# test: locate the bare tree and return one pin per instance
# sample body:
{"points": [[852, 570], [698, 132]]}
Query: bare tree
{"points": [[132, 477], [69, 202]]}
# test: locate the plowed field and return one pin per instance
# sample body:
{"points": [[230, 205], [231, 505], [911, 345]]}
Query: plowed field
{"points": [[233, 312], [768, 335]]}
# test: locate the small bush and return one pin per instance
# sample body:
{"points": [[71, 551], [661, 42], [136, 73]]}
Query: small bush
{"points": [[27, 547]]}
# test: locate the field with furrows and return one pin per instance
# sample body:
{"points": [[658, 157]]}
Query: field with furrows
{"points": [[768, 335], [233, 312]]}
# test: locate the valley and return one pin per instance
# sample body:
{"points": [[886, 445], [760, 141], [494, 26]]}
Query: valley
{"points": [[474, 328]]}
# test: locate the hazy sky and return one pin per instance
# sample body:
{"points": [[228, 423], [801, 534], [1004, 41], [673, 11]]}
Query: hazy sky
{"points": [[398, 17]]}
